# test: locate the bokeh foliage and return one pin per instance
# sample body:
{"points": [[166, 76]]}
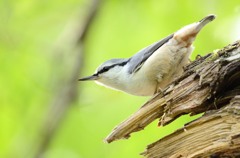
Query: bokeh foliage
{"points": [[32, 69]]}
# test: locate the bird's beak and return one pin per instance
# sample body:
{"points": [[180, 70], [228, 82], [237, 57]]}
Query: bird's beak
{"points": [[89, 78]]}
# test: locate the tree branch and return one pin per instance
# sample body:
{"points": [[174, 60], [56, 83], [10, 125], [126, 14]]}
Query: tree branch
{"points": [[216, 134], [67, 95]]}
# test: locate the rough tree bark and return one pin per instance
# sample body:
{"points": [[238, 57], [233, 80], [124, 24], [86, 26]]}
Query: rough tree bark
{"points": [[209, 85]]}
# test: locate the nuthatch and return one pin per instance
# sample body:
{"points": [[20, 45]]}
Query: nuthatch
{"points": [[152, 68]]}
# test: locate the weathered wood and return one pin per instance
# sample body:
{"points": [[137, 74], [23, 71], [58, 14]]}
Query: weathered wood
{"points": [[216, 134], [208, 83]]}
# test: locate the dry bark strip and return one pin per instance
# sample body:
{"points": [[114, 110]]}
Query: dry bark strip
{"points": [[208, 83], [216, 134]]}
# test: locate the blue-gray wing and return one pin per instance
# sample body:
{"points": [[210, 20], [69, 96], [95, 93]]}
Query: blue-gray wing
{"points": [[140, 57]]}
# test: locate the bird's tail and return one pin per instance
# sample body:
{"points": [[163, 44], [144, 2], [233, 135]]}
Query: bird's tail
{"points": [[205, 21], [188, 33]]}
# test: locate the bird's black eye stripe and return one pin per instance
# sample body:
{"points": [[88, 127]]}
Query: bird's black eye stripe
{"points": [[106, 68], [123, 63]]}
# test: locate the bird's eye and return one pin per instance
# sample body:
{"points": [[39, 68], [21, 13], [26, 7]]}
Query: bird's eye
{"points": [[106, 68]]}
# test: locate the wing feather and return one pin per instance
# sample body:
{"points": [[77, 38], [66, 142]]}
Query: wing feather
{"points": [[140, 57]]}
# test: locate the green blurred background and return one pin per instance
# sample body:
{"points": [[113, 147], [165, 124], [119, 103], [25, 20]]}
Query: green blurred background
{"points": [[35, 61]]}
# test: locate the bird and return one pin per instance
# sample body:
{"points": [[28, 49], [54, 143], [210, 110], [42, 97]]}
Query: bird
{"points": [[152, 68]]}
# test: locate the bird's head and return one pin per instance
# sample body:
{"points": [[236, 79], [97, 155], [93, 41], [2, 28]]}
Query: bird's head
{"points": [[108, 73]]}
